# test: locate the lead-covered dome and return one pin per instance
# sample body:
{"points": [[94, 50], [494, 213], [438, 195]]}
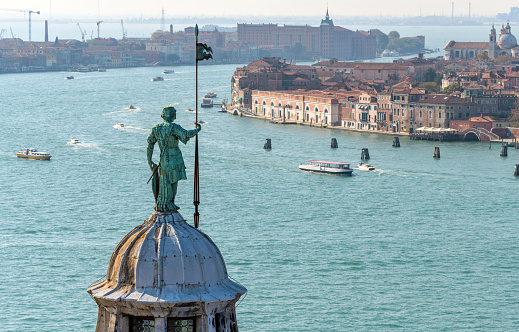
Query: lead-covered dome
{"points": [[507, 41], [166, 260]]}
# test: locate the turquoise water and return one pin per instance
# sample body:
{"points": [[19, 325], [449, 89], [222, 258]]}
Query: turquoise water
{"points": [[420, 244]]}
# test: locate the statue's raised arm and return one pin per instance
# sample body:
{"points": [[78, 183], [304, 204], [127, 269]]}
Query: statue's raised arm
{"points": [[171, 168]]}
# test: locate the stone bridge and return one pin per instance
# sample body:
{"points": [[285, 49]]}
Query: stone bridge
{"points": [[477, 134]]}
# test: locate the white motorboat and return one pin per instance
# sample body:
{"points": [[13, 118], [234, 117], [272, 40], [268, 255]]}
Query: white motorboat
{"points": [[119, 125], [210, 95], [366, 167], [168, 71], [158, 78], [74, 141], [329, 167]]}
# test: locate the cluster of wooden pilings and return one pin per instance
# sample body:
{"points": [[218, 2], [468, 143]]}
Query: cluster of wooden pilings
{"points": [[396, 143]]}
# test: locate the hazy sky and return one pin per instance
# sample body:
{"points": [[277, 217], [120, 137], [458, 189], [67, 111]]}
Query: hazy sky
{"points": [[244, 9]]}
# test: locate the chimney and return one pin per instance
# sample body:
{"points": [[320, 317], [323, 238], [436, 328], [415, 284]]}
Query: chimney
{"points": [[46, 31], [171, 29]]}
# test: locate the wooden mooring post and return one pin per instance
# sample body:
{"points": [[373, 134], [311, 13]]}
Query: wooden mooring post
{"points": [[436, 152], [504, 151], [334, 143], [365, 154], [268, 144], [516, 170], [396, 142]]}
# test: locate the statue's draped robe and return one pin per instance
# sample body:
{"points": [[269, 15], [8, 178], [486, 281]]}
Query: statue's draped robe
{"points": [[172, 168]]}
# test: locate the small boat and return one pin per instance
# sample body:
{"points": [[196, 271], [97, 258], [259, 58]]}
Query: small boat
{"points": [[158, 78], [69, 77], [210, 95], [131, 107], [73, 141], [329, 167], [207, 102], [189, 110], [119, 125], [168, 71], [32, 153], [201, 121], [366, 167]]}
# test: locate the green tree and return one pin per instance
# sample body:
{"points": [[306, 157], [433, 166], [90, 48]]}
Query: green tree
{"points": [[393, 35], [502, 59], [514, 117], [483, 55], [382, 39], [429, 86], [429, 75], [453, 87]]}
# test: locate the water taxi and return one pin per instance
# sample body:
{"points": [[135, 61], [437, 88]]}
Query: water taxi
{"points": [[329, 167], [158, 78], [207, 102], [366, 167], [168, 71], [73, 141], [69, 77], [32, 153], [210, 95]]}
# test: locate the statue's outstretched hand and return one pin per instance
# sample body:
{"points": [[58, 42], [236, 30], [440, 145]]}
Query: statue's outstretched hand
{"points": [[198, 126]]}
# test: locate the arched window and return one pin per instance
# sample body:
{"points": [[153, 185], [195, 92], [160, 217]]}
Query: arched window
{"points": [[256, 101], [297, 107], [325, 111], [316, 109], [279, 104], [264, 103], [307, 108], [272, 104]]}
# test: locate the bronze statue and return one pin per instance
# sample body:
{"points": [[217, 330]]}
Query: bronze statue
{"points": [[171, 168]]}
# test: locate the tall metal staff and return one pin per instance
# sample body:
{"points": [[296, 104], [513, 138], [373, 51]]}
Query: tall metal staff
{"points": [[203, 52]]}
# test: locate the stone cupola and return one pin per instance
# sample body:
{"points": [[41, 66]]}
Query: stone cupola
{"points": [[163, 276]]}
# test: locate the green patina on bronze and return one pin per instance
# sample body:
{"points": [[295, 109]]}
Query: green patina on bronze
{"points": [[171, 168]]}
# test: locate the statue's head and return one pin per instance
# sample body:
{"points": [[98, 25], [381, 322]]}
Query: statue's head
{"points": [[169, 113]]}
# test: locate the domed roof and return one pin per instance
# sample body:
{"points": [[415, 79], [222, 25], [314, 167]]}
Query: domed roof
{"points": [[166, 260], [507, 41]]}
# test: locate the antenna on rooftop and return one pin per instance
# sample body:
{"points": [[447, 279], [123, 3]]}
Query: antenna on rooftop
{"points": [[162, 22]]}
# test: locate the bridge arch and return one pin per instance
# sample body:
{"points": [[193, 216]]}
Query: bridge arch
{"points": [[471, 136]]}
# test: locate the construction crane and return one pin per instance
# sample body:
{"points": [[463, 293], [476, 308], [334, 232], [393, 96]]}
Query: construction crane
{"points": [[24, 11], [83, 33], [98, 23], [124, 32]]}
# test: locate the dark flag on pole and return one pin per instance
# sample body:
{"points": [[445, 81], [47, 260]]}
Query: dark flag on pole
{"points": [[203, 52]]}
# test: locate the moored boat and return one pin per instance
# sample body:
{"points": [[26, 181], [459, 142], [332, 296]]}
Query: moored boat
{"points": [[366, 167], [32, 153], [329, 167], [207, 102], [210, 95]]}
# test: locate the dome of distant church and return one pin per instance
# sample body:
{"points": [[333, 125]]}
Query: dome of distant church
{"points": [[507, 41]]}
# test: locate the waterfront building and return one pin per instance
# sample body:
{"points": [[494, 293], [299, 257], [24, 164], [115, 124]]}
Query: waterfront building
{"points": [[506, 44], [325, 41], [306, 107]]}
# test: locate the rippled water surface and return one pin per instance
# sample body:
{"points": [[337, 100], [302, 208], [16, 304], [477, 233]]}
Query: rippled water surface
{"points": [[419, 244]]}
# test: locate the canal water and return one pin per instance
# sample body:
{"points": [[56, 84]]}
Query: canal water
{"points": [[419, 244]]}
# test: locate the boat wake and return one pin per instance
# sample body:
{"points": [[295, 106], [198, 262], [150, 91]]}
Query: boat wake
{"points": [[129, 128], [85, 145], [125, 110]]}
